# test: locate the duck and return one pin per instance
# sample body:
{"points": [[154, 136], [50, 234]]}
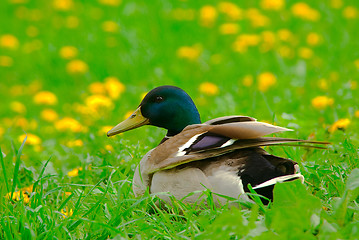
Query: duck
{"points": [[224, 155]]}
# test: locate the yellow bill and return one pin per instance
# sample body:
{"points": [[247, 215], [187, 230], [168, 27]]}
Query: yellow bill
{"points": [[134, 121]]}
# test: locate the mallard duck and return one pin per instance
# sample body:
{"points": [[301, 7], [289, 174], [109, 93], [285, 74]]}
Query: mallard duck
{"points": [[224, 155]]}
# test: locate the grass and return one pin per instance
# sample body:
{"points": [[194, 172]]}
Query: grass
{"points": [[68, 180]]}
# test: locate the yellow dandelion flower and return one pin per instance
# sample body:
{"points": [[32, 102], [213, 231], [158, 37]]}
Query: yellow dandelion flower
{"points": [[285, 35], [272, 4], [72, 22], [353, 84], [189, 53], [68, 52], [109, 148], [103, 130], [114, 87], [6, 61], [265, 81], [113, 3], [304, 11], [286, 52], [110, 26], [68, 124], [356, 114], [313, 39], [336, 4], [247, 81], [208, 88], [208, 16], [128, 114], [49, 115], [231, 10], [183, 14], [68, 193], [18, 107], [21, 122], [322, 102], [32, 31], [32, 139], [16, 196], [356, 63], [256, 18], [67, 212], [77, 67], [229, 28], [305, 53], [75, 143], [34, 45], [9, 41], [2, 131], [350, 12], [97, 88], [74, 172], [62, 5], [98, 102], [323, 84], [341, 124], [45, 98]]}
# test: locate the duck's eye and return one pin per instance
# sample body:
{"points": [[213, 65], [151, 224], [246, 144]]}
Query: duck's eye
{"points": [[158, 99]]}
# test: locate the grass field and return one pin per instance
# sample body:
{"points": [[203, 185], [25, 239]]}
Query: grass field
{"points": [[71, 69]]}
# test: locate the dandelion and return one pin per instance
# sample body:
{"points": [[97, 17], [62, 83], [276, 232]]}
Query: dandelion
{"points": [[9, 41], [341, 124], [23, 193], [304, 11], [189, 53], [2, 131], [183, 14], [356, 114], [18, 107], [265, 81], [32, 46], [208, 88], [323, 84], [68, 124], [272, 4], [75, 143], [45, 98], [113, 3], [103, 130], [356, 63], [208, 15], [77, 67], [62, 5], [350, 12], [231, 10], [49, 115], [110, 26], [97, 103], [247, 81], [244, 41], [32, 31], [229, 28], [109, 148], [313, 39], [322, 102], [114, 87], [6, 61], [72, 22], [32, 139], [74, 172], [285, 35], [68, 52], [256, 18], [305, 53], [268, 39], [336, 4], [97, 88], [67, 212]]}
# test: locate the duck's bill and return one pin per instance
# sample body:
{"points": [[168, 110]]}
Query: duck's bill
{"points": [[134, 121]]}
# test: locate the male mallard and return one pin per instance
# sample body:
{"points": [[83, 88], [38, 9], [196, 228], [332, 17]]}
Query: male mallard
{"points": [[223, 154]]}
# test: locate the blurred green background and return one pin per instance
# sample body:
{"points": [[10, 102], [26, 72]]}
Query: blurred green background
{"points": [[69, 70]]}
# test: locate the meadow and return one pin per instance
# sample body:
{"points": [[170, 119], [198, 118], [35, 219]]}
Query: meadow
{"points": [[72, 69]]}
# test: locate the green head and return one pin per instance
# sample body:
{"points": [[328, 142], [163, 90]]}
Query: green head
{"points": [[167, 107]]}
